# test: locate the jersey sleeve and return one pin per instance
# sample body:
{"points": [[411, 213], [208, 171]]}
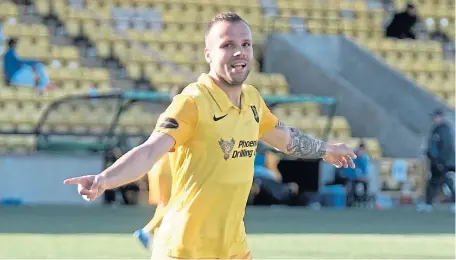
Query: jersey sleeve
{"points": [[267, 120], [179, 120]]}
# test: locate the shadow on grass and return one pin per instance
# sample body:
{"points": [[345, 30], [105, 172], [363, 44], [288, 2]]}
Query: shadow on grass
{"points": [[259, 220]]}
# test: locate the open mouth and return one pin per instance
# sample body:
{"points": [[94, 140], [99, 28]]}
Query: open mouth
{"points": [[238, 66]]}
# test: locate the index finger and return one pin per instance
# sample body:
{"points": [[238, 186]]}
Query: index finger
{"points": [[75, 180], [350, 162]]}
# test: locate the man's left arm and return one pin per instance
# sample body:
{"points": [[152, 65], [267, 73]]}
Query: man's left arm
{"points": [[294, 142]]}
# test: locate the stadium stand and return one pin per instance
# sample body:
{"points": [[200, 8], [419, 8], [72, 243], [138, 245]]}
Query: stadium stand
{"points": [[133, 33], [420, 60], [22, 107], [143, 36]]}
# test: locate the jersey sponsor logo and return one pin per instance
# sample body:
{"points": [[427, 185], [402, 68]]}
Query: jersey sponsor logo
{"points": [[169, 123], [255, 114], [245, 148], [227, 147], [218, 118]]}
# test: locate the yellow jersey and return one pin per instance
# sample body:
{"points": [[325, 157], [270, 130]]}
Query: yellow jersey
{"points": [[212, 169]]}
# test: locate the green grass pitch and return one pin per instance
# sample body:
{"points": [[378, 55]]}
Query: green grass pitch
{"points": [[96, 232]]}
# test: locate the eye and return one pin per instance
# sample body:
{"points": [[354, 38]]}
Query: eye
{"points": [[228, 45], [247, 44]]}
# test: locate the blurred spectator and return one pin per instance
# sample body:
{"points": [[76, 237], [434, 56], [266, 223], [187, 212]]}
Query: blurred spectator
{"points": [[260, 169], [355, 180], [402, 24], [440, 152], [437, 34], [22, 72], [267, 188]]}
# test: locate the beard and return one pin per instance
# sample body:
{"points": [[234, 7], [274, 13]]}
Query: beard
{"points": [[235, 80]]}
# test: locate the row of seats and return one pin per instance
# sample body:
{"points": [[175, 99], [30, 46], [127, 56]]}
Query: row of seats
{"points": [[21, 108], [415, 171], [138, 65]]}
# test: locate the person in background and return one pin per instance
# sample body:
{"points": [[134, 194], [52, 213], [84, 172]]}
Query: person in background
{"points": [[22, 72], [402, 24], [440, 152], [353, 178], [260, 168], [267, 187]]}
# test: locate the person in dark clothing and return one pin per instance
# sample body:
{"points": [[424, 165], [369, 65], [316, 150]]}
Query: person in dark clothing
{"points": [[402, 24], [441, 154]]}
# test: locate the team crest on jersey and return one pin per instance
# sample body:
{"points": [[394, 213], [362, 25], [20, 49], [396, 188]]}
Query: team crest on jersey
{"points": [[227, 147], [255, 113]]}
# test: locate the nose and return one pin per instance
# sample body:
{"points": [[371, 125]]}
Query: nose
{"points": [[240, 52]]}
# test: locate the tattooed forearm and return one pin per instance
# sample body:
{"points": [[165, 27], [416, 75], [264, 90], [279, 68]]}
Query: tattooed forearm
{"points": [[302, 145]]}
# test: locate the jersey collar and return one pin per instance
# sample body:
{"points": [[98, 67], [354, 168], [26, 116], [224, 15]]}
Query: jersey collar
{"points": [[220, 96]]}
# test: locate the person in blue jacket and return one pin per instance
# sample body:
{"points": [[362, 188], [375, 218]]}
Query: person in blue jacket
{"points": [[354, 179], [23, 72]]}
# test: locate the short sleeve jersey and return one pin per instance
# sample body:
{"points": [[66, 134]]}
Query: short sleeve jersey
{"points": [[212, 167]]}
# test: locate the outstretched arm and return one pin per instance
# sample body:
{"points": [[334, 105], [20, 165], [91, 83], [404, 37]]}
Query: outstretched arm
{"points": [[126, 169], [138, 161], [296, 143], [174, 127]]}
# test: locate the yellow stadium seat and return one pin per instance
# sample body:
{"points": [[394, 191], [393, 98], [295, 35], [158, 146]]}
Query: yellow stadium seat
{"points": [[134, 70]]}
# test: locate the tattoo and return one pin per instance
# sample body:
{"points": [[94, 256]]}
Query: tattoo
{"points": [[302, 145]]}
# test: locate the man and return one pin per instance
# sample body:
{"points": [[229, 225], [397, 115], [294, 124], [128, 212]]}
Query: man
{"points": [[401, 26], [21, 72], [212, 129], [440, 153]]}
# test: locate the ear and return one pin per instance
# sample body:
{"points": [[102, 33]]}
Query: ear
{"points": [[207, 55]]}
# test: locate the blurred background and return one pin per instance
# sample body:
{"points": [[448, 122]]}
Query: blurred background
{"points": [[84, 81]]}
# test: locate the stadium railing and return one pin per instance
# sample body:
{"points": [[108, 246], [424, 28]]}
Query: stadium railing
{"points": [[115, 104]]}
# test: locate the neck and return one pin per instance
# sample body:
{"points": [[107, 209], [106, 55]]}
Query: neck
{"points": [[233, 92]]}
